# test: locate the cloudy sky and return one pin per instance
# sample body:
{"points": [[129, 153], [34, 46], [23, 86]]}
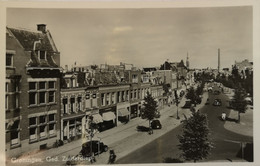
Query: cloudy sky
{"points": [[144, 37]]}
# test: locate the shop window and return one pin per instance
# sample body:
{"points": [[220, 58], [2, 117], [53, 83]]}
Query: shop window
{"points": [[51, 96], [42, 97], [32, 98]]}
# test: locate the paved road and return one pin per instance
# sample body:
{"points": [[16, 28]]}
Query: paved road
{"points": [[225, 142]]}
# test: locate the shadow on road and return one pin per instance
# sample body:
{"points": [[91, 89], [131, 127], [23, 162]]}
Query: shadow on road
{"points": [[247, 153]]}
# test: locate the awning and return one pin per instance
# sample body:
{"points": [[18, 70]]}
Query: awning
{"points": [[123, 112], [107, 116], [97, 118]]}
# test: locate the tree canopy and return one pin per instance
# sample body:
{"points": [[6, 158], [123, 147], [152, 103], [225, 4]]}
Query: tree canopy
{"points": [[150, 107], [194, 142]]}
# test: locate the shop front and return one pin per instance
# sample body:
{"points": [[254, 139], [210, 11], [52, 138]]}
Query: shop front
{"points": [[134, 110], [72, 127], [123, 114], [109, 118]]}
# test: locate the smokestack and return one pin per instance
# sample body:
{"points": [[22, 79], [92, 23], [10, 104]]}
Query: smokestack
{"points": [[41, 27], [218, 59]]}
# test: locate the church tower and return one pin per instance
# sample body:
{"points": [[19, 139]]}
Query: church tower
{"points": [[187, 61]]}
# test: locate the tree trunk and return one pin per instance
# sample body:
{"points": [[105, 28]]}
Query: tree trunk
{"points": [[238, 119]]}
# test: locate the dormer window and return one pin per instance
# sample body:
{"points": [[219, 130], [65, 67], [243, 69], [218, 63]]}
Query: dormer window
{"points": [[42, 55]]}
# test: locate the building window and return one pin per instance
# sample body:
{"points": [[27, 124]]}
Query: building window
{"points": [[107, 99], [6, 87], [32, 121], [43, 131], [94, 95], [42, 55], [51, 84], [72, 105], [87, 96], [16, 101], [134, 78], [42, 85], [118, 97], [33, 133], [126, 98], [79, 104], [9, 60], [32, 98], [42, 97], [15, 133], [32, 85], [123, 96], [102, 99], [113, 98], [52, 129], [42, 119], [51, 117], [51, 96], [65, 106]]}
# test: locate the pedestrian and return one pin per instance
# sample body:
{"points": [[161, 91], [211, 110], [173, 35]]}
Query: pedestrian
{"points": [[223, 116], [112, 157]]}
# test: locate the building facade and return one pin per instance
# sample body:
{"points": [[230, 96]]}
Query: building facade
{"points": [[32, 90]]}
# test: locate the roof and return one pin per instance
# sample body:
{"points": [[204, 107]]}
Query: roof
{"points": [[27, 39]]}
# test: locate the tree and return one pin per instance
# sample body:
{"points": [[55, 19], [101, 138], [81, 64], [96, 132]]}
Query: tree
{"points": [[192, 96], [239, 103], [150, 108], [194, 142]]}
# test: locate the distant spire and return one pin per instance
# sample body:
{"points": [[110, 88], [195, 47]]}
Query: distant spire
{"points": [[187, 61]]}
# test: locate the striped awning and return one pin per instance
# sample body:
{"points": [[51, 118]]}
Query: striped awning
{"points": [[123, 112], [97, 118], [107, 116]]}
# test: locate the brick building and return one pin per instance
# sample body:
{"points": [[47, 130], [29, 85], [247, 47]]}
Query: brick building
{"points": [[32, 90]]}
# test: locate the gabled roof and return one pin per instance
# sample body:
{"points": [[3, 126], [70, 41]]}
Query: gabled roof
{"points": [[27, 39]]}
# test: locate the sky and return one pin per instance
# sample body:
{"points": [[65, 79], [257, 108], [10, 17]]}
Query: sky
{"points": [[145, 37]]}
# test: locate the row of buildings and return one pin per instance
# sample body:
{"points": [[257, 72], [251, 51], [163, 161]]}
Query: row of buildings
{"points": [[45, 103]]}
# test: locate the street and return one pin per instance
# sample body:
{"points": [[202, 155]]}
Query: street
{"points": [[226, 143]]}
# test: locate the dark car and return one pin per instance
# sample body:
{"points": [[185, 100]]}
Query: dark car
{"points": [[142, 128], [217, 102], [97, 148], [216, 92], [156, 124], [207, 102], [187, 104]]}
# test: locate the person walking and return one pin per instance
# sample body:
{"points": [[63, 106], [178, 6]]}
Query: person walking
{"points": [[112, 157]]}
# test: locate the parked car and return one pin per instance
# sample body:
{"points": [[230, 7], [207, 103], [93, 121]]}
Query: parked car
{"points": [[217, 102], [156, 124], [207, 102], [142, 128], [216, 92], [97, 148], [187, 104]]}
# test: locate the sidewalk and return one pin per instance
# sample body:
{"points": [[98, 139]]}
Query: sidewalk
{"points": [[123, 139], [245, 127]]}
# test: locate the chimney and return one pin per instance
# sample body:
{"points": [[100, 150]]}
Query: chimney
{"points": [[41, 27]]}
